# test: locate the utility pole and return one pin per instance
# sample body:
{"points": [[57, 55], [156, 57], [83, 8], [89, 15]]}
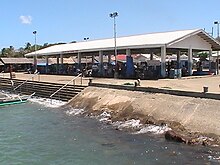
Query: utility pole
{"points": [[217, 65], [114, 15], [35, 49]]}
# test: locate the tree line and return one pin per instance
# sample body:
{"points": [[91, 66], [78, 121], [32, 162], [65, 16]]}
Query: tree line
{"points": [[28, 48]]}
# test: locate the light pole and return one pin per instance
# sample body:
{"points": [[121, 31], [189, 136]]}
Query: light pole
{"points": [[35, 49], [217, 23], [114, 15], [86, 38]]}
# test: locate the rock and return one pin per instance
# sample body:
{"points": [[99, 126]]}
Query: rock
{"points": [[173, 136]]}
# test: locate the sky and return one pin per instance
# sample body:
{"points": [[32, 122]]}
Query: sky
{"points": [[72, 20]]}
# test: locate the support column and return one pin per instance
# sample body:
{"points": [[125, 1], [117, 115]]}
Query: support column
{"points": [[128, 52], [163, 61], [151, 55], [179, 68], [79, 61], [93, 59], [58, 63], [190, 61], [178, 59], [61, 62], [47, 63], [210, 64], [101, 63], [217, 63], [35, 63], [109, 58]]}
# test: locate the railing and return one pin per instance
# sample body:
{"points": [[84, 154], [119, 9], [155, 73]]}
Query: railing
{"points": [[73, 80], [26, 81], [3, 73]]}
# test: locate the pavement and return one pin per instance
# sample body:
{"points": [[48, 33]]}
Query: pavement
{"points": [[193, 83]]}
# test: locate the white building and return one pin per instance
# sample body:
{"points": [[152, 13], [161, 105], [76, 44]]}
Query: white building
{"points": [[160, 44]]}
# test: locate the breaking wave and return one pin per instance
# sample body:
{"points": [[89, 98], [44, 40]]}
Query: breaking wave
{"points": [[48, 102], [42, 101], [133, 125], [154, 129], [75, 112]]}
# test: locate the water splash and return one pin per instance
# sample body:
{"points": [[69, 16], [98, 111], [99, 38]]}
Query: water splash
{"points": [[153, 129], [47, 102], [133, 125], [74, 112], [8, 94], [105, 117], [130, 124], [214, 159]]}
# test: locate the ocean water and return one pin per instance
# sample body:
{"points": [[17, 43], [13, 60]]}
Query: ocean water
{"points": [[35, 133]]}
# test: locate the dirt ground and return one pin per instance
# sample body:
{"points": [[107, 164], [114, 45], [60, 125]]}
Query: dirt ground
{"points": [[194, 83]]}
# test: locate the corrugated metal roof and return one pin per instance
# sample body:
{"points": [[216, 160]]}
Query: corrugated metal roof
{"points": [[69, 60], [16, 60], [137, 41], [65, 60]]}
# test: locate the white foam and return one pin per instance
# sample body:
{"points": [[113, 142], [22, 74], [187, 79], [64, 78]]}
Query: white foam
{"points": [[215, 159], [43, 101], [105, 117], [142, 129], [47, 102], [9, 95], [134, 124], [75, 112], [203, 138], [153, 129]]}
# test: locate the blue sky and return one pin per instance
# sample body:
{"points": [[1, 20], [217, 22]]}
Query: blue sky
{"points": [[72, 20]]}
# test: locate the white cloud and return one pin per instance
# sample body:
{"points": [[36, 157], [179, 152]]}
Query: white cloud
{"points": [[26, 19]]}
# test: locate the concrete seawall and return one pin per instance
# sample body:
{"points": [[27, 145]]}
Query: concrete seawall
{"points": [[181, 113], [159, 90], [180, 103]]}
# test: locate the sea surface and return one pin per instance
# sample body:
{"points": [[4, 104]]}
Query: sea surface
{"points": [[35, 133]]}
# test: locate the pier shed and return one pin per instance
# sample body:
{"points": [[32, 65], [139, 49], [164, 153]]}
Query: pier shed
{"points": [[161, 44], [16, 64]]}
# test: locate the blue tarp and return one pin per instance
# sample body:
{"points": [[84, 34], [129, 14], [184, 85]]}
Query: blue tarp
{"points": [[42, 64], [129, 66]]}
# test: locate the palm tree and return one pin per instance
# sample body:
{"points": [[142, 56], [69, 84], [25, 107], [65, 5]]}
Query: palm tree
{"points": [[4, 52], [27, 48]]}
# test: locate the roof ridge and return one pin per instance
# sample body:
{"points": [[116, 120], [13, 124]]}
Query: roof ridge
{"points": [[132, 35]]}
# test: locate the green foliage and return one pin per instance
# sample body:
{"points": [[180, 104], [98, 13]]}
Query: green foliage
{"points": [[12, 52], [28, 48], [4, 52], [203, 56], [8, 52]]}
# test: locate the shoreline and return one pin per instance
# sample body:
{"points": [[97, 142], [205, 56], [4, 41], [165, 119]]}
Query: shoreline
{"points": [[187, 123], [186, 115]]}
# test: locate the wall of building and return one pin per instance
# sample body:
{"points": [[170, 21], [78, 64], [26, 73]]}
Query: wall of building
{"points": [[195, 42]]}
